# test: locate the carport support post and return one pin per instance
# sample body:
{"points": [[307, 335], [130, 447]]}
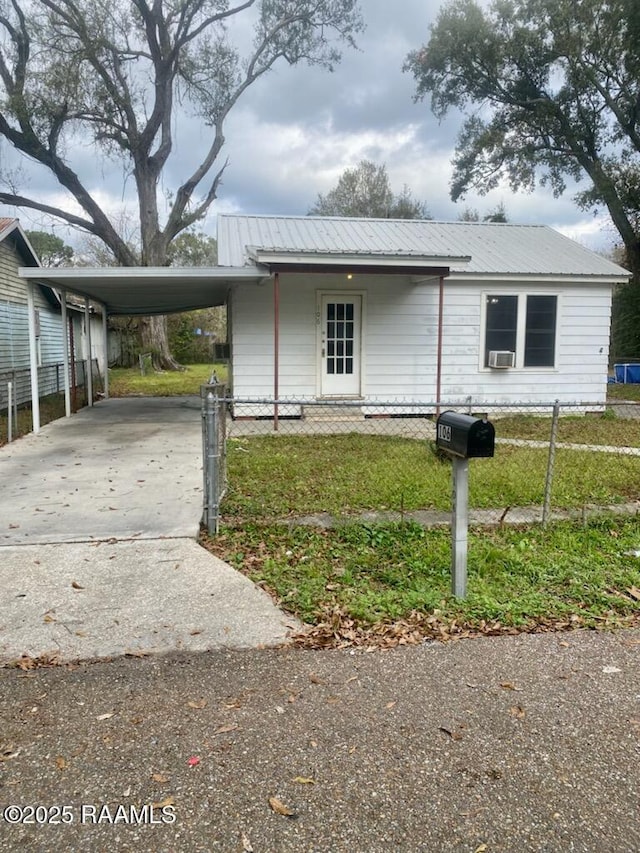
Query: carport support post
{"points": [[276, 348], [88, 366], [65, 355], [105, 350], [460, 527], [33, 357]]}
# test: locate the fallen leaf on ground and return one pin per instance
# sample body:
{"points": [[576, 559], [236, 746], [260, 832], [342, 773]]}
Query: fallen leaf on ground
{"points": [[199, 705], [168, 801], [61, 762], [454, 735], [105, 716], [160, 777], [8, 752], [390, 705], [518, 711], [247, 847], [279, 807], [303, 780], [481, 849], [223, 730], [509, 685], [76, 585]]}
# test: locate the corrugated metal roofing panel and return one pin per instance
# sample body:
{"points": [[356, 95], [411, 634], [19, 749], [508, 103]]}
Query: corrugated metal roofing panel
{"points": [[499, 248]]}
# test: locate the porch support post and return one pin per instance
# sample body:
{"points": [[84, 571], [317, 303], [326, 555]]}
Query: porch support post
{"points": [[65, 354], [276, 348], [105, 351], [439, 354], [33, 357], [88, 366]]}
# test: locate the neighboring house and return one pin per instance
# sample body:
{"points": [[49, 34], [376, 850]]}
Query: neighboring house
{"points": [[415, 311], [16, 252]]}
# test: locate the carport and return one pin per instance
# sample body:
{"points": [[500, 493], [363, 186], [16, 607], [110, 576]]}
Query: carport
{"points": [[127, 291]]}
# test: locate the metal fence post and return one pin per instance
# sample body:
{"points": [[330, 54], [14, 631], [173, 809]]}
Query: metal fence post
{"points": [[9, 411], [546, 509], [211, 455]]}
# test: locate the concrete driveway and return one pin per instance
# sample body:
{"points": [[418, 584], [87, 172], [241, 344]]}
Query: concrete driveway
{"points": [[99, 515]]}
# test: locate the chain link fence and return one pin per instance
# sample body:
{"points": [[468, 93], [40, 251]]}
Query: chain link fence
{"points": [[15, 395], [307, 462]]}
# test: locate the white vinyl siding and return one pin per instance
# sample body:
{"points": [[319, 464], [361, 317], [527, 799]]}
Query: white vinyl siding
{"points": [[582, 347], [400, 333]]}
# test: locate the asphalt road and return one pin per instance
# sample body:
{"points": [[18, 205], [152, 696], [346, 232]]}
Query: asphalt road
{"points": [[526, 743]]}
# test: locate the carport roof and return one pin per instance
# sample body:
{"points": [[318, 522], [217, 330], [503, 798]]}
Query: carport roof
{"points": [[148, 290]]}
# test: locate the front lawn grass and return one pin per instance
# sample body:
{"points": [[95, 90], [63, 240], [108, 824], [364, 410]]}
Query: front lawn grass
{"points": [[600, 429], [623, 391], [350, 579], [281, 476], [129, 382]]}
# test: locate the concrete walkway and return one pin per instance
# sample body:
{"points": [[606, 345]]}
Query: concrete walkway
{"points": [[98, 519]]}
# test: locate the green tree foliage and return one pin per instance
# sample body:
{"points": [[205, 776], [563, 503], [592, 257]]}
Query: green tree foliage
{"points": [[471, 214], [112, 75], [366, 191], [555, 90], [52, 250], [195, 249]]}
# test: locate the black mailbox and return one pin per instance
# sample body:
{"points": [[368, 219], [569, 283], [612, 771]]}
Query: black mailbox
{"points": [[465, 436]]}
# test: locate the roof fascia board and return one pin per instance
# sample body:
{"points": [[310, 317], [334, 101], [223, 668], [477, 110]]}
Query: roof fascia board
{"points": [[556, 278], [360, 269], [80, 274]]}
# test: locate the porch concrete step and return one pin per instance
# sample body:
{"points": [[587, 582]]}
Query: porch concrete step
{"points": [[336, 412]]}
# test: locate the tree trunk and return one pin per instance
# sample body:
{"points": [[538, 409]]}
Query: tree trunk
{"points": [[155, 340]]}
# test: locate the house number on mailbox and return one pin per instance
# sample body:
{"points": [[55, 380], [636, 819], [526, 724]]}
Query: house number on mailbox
{"points": [[444, 432]]}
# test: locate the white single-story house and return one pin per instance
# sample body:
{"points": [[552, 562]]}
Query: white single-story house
{"points": [[415, 311]]}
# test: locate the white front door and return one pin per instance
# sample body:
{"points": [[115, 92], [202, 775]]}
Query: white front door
{"points": [[340, 345]]}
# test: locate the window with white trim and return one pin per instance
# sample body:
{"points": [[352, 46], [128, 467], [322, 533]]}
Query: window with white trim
{"points": [[524, 324]]}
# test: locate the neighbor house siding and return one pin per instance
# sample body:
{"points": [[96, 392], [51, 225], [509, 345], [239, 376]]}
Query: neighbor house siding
{"points": [[14, 330]]}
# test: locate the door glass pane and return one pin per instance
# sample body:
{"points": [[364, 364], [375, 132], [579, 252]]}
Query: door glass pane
{"points": [[340, 330]]}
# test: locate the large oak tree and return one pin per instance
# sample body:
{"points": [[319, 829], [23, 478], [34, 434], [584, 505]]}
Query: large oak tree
{"points": [[116, 73], [552, 93]]}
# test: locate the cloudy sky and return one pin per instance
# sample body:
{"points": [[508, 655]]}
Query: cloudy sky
{"points": [[296, 130]]}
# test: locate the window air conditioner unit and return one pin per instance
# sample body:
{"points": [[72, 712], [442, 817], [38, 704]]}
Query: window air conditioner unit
{"points": [[501, 358]]}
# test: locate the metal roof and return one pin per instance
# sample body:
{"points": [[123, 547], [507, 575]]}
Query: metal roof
{"points": [[466, 247], [147, 290]]}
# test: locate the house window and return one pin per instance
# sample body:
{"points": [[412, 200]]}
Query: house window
{"points": [[502, 324], [523, 324], [540, 333]]}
